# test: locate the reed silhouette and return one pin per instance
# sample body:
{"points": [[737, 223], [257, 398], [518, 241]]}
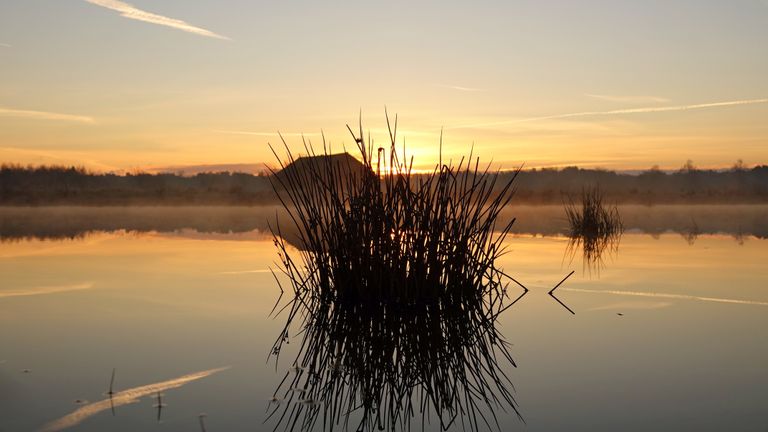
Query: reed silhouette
{"points": [[159, 406], [111, 392], [595, 227], [551, 293], [396, 294]]}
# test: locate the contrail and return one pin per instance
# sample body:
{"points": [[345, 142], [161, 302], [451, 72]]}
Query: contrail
{"points": [[129, 11], [266, 134], [43, 115], [669, 296], [123, 398], [46, 290], [237, 272], [628, 99], [620, 111], [460, 88]]}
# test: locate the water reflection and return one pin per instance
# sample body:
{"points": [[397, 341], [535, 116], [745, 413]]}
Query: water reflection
{"points": [[594, 249], [124, 397], [380, 366], [574, 370], [62, 223]]}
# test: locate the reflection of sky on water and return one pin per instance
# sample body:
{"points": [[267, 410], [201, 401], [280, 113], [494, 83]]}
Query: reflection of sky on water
{"points": [[669, 296], [252, 223], [161, 306], [41, 290], [124, 397]]}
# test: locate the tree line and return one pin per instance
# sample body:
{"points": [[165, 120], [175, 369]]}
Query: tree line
{"points": [[60, 185]]}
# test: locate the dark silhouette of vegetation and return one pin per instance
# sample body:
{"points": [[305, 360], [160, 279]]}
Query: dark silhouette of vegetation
{"points": [[53, 185], [595, 226], [654, 186], [396, 294], [60, 185]]}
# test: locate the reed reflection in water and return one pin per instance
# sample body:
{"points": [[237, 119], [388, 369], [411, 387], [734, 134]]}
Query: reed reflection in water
{"points": [[382, 365], [595, 228]]}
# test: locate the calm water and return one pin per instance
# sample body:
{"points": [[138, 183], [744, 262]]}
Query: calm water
{"points": [[184, 309]]}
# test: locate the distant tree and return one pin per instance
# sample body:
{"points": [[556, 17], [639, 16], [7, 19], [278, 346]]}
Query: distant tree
{"points": [[653, 171], [688, 167]]}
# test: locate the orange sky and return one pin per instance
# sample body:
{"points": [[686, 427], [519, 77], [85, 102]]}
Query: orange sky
{"points": [[117, 86]]}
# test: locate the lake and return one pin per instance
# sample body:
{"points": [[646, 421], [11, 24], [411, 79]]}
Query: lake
{"points": [[668, 331]]}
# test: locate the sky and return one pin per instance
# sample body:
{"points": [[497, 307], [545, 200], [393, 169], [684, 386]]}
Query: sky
{"points": [[626, 85]]}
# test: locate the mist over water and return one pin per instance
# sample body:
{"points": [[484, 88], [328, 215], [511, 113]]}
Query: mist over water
{"points": [[63, 222]]}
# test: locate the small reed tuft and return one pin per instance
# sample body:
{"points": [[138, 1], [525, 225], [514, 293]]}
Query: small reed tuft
{"points": [[594, 225]]}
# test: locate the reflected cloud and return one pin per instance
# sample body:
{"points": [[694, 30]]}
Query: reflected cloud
{"points": [[669, 296], [123, 398], [46, 290], [637, 305], [129, 11]]}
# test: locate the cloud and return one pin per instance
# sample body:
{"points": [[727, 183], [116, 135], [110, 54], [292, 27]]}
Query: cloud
{"points": [[669, 296], [266, 134], [45, 290], [240, 272], [5, 45], [128, 11], [123, 398], [460, 88], [620, 112], [43, 115], [67, 158], [628, 99]]}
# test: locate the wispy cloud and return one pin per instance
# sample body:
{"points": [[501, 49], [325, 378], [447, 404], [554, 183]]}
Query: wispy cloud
{"points": [[129, 11], [240, 272], [266, 134], [44, 115], [45, 290], [77, 158], [5, 45], [407, 133], [668, 296], [460, 88], [123, 398], [617, 112], [628, 99]]}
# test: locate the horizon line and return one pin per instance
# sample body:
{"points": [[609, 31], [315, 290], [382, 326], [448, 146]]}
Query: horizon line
{"points": [[420, 169]]}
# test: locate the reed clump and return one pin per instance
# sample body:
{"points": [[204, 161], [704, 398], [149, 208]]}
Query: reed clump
{"points": [[594, 225], [396, 292]]}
